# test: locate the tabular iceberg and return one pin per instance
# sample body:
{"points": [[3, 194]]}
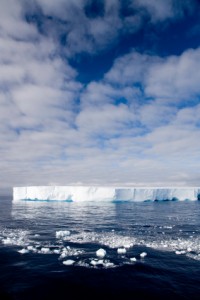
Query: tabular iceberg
{"points": [[94, 193]]}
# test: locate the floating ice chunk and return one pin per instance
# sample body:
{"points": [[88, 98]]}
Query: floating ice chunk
{"points": [[30, 248], [133, 259], [93, 262], [108, 264], [67, 251], [96, 262], [180, 252], [45, 250], [100, 262], [143, 254], [128, 245], [168, 227], [7, 241], [63, 254], [62, 234], [56, 251], [69, 262], [14, 237], [23, 251], [101, 253], [121, 250], [83, 264]]}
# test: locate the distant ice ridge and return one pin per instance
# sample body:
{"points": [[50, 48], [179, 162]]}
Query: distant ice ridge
{"points": [[93, 193]]}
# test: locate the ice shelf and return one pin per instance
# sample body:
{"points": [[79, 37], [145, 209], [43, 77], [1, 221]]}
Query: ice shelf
{"points": [[97, 193]]}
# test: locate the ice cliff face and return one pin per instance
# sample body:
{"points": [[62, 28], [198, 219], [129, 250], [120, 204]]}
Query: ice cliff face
{"points": [[91, 193]]}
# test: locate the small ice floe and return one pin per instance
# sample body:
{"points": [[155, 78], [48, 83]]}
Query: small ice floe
{"points": [[180, 252], [96, 262], [63, 254], [121, 250], [7, 241], [93, 262], [101, 253], [23, 251], [133, 259], [108, 264], [62, 234], [143, 254], [168, 227], [14, 237], [56, 251], [82, 263], [128, 245], [45, 250], [100, 262], [30, 248], [68, 262], [104, 263], [67, 251]]}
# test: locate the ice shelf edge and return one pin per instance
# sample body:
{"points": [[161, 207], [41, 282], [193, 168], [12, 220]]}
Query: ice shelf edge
{"points": [[97, 193]]}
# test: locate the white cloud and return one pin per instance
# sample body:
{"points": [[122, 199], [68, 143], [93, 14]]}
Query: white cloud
{"points": [[106, 121], [171, 79], [83, 33], [37, 97], [12, 23], [100, 93], [125, 128], [188, 116], [130, 69], [155, 114], [176, 77], [158, 9]]}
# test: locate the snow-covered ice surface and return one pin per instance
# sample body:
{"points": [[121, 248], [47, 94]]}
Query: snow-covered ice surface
{"points": [[92, 193]]}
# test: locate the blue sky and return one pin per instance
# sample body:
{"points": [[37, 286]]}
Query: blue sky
{"points": [[103, 92]]}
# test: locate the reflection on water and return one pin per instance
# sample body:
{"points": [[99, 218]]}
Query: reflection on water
{"points": [[97, 215], [82, 215]]}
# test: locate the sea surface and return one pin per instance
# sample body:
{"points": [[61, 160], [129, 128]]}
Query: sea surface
{"points": [[48, 249]]}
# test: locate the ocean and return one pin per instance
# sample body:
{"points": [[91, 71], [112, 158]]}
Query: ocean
{"points": [[49, 249]]}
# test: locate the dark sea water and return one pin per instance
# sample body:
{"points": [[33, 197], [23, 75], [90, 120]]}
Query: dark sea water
{"points": [[37, 237]]}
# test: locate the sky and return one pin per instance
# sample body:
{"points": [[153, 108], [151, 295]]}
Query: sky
{"points": [[103, 92]]}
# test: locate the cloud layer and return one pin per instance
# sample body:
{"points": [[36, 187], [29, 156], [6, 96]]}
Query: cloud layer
{"points": [[137, 125]]}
